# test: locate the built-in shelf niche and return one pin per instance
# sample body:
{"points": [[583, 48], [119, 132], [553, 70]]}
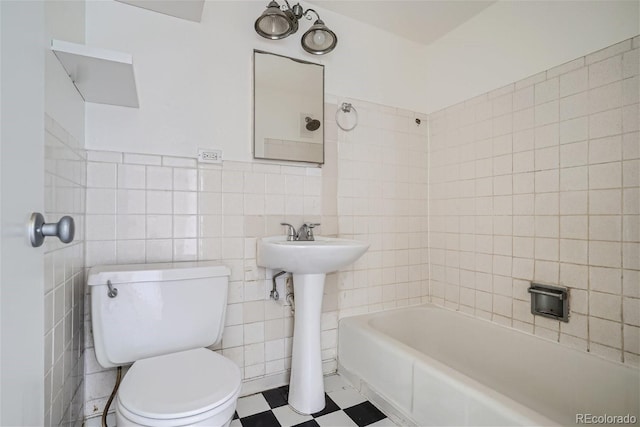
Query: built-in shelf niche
{"points": [[100, 75], [190, 10]]}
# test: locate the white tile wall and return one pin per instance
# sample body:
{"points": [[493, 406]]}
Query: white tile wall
{"points": [[65, 181], [381, 189], [157, 208], [539, 181]]}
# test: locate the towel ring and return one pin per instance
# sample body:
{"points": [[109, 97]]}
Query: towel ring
{"points": [[344, 114]]}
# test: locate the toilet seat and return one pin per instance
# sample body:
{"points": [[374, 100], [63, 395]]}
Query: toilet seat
{"points": [[179, 389]]}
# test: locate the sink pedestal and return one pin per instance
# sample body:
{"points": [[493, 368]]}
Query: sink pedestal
{"points": [[306, 388], [309, 261]]}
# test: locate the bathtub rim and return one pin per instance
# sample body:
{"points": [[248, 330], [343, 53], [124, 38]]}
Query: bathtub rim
{"points": [[425, 305], [478, 390]]}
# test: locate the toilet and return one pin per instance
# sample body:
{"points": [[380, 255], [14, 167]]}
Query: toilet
{"points": [[161, 318]]}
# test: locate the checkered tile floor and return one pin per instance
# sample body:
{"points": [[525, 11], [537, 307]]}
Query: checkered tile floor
{"points": [[345, 407]]}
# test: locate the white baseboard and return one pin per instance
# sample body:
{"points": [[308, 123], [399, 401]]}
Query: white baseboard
{"points": [[253, 386]]}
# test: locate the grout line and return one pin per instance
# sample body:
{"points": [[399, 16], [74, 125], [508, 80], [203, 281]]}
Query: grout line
{"points": [[430, 299], [621, 236], [558, 201], [588, 223]]}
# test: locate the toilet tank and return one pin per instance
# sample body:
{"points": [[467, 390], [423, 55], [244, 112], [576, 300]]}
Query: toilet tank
{"points": [[158, 309]]}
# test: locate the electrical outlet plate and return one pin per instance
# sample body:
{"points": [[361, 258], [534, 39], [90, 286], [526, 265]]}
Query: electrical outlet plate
{"points": [[212, 155]]}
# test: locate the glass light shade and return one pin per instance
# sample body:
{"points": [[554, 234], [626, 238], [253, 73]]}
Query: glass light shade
{"points": [[319, 39], [275, 24]]}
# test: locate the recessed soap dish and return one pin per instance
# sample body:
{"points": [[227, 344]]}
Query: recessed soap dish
{"points": [[549, 301]]}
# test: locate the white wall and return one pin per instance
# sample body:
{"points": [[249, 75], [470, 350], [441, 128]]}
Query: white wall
{"points": [[195, 79], [512, 40], [64, 21], [285, 118]]}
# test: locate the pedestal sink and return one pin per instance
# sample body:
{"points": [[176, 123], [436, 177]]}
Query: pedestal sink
{"points": [[309, 261]]}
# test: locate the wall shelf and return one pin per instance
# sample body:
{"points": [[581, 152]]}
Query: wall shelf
{"points": [[190, 10], [101, 76]]}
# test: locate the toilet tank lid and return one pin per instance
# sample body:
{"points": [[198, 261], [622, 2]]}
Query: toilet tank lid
{"points": [[132, 273]]}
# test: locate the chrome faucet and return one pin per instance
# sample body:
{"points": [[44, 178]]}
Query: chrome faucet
{"points": [[306, 231], [304, 234], [291, 232]]}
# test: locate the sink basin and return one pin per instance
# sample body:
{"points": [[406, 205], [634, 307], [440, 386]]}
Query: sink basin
{"points": [[323, 255]]}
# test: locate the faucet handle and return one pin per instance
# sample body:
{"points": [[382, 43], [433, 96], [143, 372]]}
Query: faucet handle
{"points": [[307, 228], [291, 231]]}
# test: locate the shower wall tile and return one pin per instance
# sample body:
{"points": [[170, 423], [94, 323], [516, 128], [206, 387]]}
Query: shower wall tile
{"points": [[561, 183], [382, 199]]}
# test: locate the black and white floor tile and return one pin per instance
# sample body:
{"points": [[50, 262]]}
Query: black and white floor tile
{"points": [[345, 407]]}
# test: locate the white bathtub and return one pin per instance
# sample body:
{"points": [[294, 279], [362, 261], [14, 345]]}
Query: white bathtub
{"points": [[438, 367]]}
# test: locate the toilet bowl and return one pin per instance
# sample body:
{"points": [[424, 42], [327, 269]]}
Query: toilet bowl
{"points": [[191, 388], [161, 318]]}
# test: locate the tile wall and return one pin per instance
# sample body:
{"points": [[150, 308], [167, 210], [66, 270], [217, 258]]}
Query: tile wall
{"points": [[65, 167], [539, 180], [382, 199], [145, 208]]}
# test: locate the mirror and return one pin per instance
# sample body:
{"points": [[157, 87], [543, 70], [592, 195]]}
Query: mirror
{"points": [[288, 108]]}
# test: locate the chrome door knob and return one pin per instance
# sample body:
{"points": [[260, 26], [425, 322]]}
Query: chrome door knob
{"points": [[64, 229]]}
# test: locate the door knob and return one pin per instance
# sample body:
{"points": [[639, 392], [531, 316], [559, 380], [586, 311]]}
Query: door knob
{"points": [[38, 230]]}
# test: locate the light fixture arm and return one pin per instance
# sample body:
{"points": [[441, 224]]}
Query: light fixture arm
{"points": [[298, 10], [288, 7], [306, 14]]}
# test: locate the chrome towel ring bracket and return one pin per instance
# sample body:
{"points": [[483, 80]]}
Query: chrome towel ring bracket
{"points": [[347, 117]]}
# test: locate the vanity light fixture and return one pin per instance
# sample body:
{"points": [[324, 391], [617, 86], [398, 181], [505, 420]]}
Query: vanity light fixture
{"points": [[278, 22]]}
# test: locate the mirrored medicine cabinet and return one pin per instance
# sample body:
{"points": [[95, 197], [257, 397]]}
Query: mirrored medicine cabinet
{"points": [[288, 108]]}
